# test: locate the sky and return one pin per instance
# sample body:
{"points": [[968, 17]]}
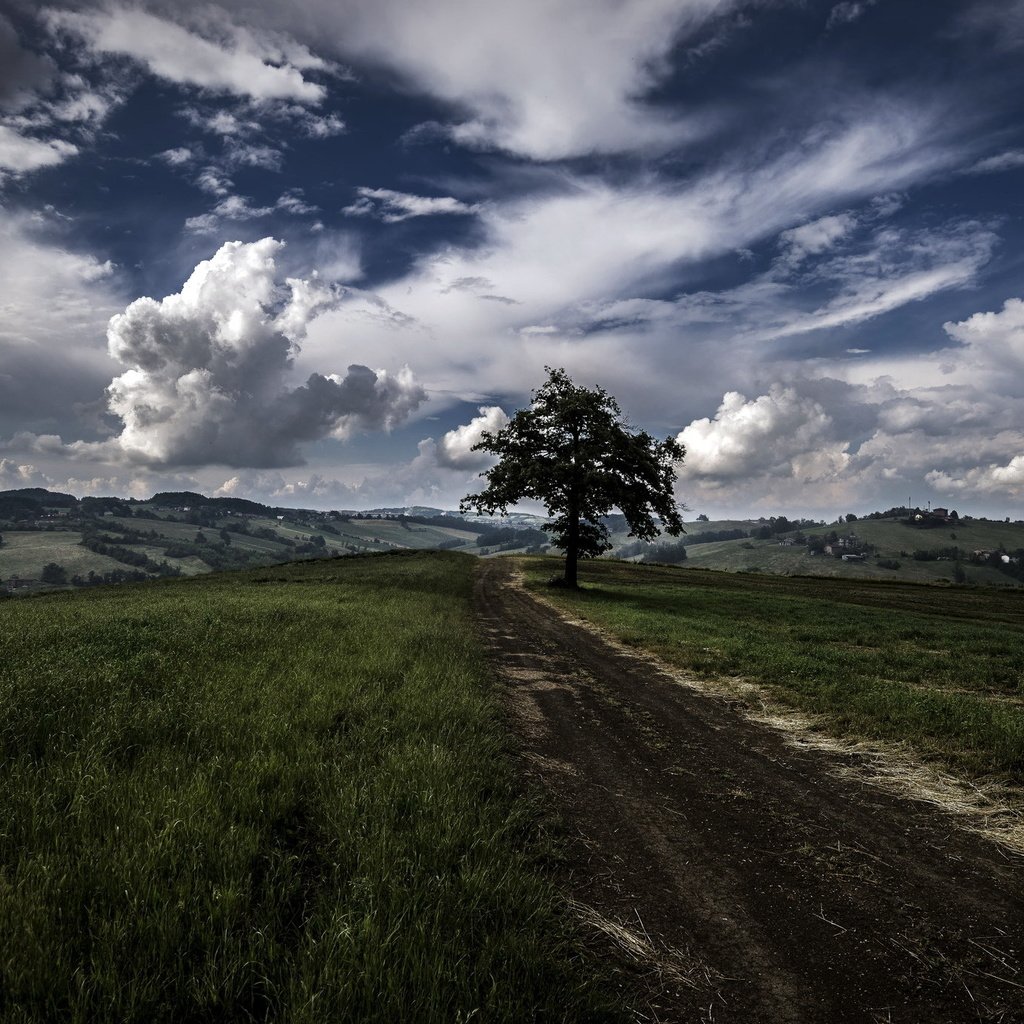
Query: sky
{"points": [[306, 253]]}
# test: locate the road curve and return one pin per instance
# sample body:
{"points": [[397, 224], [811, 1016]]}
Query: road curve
{"points": [[762, 887]]}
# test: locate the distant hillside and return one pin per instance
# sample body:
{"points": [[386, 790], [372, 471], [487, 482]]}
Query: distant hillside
{"points": [[179, 499], [50, 540], [108, 539], [32, 500], [965, 551]]}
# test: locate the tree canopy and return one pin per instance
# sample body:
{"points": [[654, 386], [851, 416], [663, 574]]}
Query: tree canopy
{"points": [[572, 451]]}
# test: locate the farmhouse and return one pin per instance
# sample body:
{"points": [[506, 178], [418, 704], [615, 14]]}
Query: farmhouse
{"points": [[933, 517], [15, 582]]}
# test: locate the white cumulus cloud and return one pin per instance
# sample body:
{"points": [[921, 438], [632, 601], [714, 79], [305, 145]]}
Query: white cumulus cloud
{"points": [[14, 475], [781, 433], [1005, 480], [455, 449], [995, 342], [207, 370]]}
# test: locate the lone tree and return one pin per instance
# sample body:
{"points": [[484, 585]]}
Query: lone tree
{"points": [[571, 450], [54, 573]]}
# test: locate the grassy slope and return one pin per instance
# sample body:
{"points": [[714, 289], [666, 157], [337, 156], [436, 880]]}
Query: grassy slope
{"points": [[28, 552], [361, 532], [24, 554], [894, 536], [277, 794], [415, 535], [890, 538], [941, 667]]}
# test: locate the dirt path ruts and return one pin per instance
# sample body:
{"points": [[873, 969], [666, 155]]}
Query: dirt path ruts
{"points": [[769, 890]]}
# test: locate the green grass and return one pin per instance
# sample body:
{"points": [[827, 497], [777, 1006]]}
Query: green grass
{"points": [[279, 794], [25, 553], [939, 667], [189, 566]]}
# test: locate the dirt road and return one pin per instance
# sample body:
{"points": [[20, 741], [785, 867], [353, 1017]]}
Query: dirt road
{"points": [[759, 887]]}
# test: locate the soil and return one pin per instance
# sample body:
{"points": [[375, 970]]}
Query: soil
{"points": [[744, 880]]}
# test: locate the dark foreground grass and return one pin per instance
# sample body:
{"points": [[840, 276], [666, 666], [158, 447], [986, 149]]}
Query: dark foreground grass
{"points": [[272, 795], [939, 667]]}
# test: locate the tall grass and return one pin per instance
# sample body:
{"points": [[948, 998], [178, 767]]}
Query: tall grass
{"points": [[939, 667], [273, 795]]}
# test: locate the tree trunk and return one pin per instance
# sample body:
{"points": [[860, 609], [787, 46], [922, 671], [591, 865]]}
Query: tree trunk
{"points": [[571, 558], [572, 550]]}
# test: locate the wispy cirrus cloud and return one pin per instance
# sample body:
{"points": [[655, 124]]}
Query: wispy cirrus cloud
{"points": [[235, 62], [391, 206], [848, 11], [239, 208], [541, 80], [572, 260], [895, 268], [20, 153], [1010, 160]]}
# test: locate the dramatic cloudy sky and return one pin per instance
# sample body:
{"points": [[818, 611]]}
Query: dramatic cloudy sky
{"points": [[306, 252]]}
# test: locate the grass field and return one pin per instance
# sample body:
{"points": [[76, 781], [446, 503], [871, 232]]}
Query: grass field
{"points": [[272, 795], [24, 554], [939, 667], [412, 535], [766, 556], [892, 536], [893, 541]]}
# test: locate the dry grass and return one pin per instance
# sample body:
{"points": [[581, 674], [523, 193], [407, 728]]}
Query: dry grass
{"points": [[671, 965]]}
